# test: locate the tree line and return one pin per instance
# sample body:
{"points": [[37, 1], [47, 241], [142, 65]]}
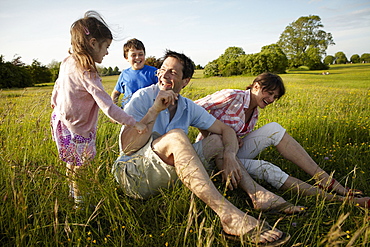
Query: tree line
{"points": [[15, 73], [302, 43]]}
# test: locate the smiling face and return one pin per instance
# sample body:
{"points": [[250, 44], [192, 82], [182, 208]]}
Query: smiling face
{"points": [[99, 49], [263, 97], [170, 75], [136, 58]]}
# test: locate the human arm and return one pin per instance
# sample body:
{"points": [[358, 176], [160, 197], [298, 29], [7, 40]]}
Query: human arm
{"points": [[211, 102], [94, 87], [54, 95], [130, 140], [216, 100], [119, 88], [115, 95], [231, 167], [205, 133]]}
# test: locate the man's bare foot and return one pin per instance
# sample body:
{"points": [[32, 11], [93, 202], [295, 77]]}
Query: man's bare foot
{"points": [[268, 201], [241, 225]]}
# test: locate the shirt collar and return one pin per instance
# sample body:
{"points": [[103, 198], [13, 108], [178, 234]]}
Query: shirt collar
{"points": [[247, 98]]}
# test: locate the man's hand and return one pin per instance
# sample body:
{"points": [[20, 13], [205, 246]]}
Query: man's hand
{"points": [[231, 167], [133, 139], [164, 99], [231, 171]]}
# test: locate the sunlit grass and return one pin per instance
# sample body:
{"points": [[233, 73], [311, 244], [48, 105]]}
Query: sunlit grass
{"points": [[327, 114]]}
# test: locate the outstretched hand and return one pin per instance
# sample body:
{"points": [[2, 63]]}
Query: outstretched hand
{"points": [[231, 171]]}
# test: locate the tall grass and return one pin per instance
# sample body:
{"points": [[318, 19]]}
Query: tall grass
{"points": [[327, 114]]}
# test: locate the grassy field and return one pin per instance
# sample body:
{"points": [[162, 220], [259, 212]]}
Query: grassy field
{"points": [[327, 114]]}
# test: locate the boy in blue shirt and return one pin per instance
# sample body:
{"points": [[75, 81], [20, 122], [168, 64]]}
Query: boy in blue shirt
{"points": [[137, 76]]}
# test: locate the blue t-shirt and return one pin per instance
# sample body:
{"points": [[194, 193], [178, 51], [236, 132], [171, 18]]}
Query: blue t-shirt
{"points": [[187, 114], [131, 80]]}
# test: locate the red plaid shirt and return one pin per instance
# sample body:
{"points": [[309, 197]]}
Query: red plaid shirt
{"points": [[228, 106]]}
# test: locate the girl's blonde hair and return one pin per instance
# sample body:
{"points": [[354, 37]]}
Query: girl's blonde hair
{"points": [[83, 30]]}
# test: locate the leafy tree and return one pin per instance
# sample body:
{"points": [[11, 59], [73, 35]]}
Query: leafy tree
{"points": [[109, 71], [276, 60], [259, 63], [231, 69], [211, 69], [270, 59], [116, 71], [221, 66], [246, 63], [235, 62], [256, 64], [355, 58], [365, 58], [39, 73], [152, 61], [301, 34], [229, 56], [340, 58], [313, 59], [54, 68], [329, 60], [17, 61], [14, 76]]}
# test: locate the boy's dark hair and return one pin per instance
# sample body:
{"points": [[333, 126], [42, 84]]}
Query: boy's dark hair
{"points": [[187, 63], [132, 44], [269, 81]]}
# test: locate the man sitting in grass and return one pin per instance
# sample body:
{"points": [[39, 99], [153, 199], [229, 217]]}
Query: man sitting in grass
{"points": [[156, 159]]}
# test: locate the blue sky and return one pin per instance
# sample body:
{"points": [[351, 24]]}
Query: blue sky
{"points": [[202, 29]]}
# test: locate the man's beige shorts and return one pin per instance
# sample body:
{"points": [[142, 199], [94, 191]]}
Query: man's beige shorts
{"points": [[144, 173]]}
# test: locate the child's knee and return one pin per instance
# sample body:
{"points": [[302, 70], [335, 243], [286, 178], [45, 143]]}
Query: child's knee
{"points": [[274, 127], [272, 174]]}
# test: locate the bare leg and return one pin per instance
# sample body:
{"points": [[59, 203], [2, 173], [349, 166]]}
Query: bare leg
{"points": [[74, 191], [174, 148], [294, 152], [262, 198], [306, 189]]}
